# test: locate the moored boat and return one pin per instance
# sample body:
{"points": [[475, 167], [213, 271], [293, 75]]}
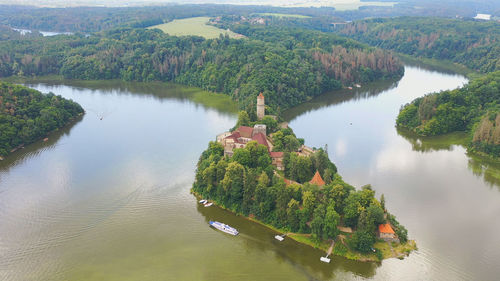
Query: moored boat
{"points": [[224, 227], [203, 201], [208, 204]]}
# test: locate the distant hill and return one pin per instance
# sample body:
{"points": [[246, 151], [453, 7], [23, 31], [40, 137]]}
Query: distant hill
{"points": [[475, 44]]}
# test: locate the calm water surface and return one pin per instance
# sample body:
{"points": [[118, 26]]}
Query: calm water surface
{"points": [[109, 199]]}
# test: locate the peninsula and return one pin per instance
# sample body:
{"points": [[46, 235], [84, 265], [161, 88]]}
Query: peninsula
{"points": [[262, 171], [474, 109], [27, 115]]}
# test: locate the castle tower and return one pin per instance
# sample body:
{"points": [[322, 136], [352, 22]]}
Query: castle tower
{"points": [[261, 108]]}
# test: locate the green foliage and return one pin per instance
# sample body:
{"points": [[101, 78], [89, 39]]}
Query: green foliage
{"points": [[400, 230], [298, 168], [362, 241], [287, 75], [471, 43], [27, 115], [464, 109], [331, 221], [243, 119]]}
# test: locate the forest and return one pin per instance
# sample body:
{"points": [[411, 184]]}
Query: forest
{"points": [[288, 65], [27, 115], [468, 42], [474, 108]]}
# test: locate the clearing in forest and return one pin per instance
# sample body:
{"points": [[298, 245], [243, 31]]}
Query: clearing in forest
{"points": [[194, 26]]}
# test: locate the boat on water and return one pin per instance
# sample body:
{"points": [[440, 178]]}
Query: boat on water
{"points": [[208, 204], [279, 237], [325, 259], [203, 201], [223, 227]]}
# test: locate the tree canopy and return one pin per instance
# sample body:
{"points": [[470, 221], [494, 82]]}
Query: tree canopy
{"points": [[27, 115]]}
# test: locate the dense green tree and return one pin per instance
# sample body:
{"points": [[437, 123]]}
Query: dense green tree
{"points": [[465, 109], [331, 222], [293, 215], [472, 43], [27, 115], [362, 241]]}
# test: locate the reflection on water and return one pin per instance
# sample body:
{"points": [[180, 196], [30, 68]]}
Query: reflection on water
{"points": [[488, 169], [435, 143], [484, 167], [341, 96]]}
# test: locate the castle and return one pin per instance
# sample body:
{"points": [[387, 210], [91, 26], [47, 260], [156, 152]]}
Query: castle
{"points": [[244, 134]]}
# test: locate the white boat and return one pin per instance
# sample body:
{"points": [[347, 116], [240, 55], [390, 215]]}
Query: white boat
{"points": [[224, 227], [279, 238], [208, 204], [350, 88], [324, 259], [357, 86], [203, 201]]}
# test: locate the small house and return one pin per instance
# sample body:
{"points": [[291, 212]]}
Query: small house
{"points": [[386, 232]]}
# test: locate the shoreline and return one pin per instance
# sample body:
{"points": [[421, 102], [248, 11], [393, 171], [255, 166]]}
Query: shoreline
{"points": [[387, 251], [72, 121]]}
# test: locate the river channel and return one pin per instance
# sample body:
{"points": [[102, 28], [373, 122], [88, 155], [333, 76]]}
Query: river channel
{"points": [[107, 198]]}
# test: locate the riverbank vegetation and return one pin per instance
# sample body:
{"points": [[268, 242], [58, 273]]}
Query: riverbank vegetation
{"points": [[475, 44], [27, 115], [288, 72], [310, 212], [474, 108]]}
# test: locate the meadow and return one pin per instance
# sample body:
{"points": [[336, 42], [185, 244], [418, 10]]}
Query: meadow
{"points": [[194, 26]]}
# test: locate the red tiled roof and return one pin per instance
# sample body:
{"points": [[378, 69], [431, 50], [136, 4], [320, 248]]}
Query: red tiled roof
{"points": [[234, 136], [317, 180], [276, 154], [261, 139], [385, 228], [245, 131], [261, 96]]}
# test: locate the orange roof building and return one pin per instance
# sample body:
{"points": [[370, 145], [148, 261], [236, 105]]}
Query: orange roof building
{"points": [[385, 228], [386, 232], [317, 180]]}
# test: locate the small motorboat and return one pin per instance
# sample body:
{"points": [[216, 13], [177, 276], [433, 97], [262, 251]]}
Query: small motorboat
{"points": [[350, 88], [357, 86], [279, 237], [208, 204], [325, 259], [203, 201]]}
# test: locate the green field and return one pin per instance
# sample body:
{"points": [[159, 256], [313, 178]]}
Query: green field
{"points": [[283, 15], [193, 26]]}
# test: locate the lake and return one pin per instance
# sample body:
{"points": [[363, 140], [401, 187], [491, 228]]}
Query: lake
{"points": [[108, 197]]}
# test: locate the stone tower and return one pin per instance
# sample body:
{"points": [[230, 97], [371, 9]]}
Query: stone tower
{"points": [[261, 110]]}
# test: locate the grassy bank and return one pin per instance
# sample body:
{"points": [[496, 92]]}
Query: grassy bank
{"points": [[340, 249]]}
